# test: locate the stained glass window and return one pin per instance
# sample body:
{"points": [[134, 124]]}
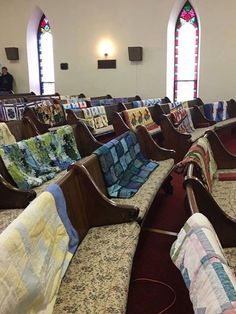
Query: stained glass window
{"points": [[186, 54], [46, 62]]}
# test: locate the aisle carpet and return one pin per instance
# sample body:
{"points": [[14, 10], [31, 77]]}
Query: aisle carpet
{"points": [[152, 259]]}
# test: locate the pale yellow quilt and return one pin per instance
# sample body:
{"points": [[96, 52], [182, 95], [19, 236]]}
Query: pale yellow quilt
{"points": [[6, 136], [34, 257]]}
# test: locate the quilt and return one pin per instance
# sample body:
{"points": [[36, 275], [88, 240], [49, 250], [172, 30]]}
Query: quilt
{"points": [[139, 116], [181, 118], [216, 111], [102, 102], [36, 160], [199, 256], [95, 117], [6, 137], [201, 154], [36, 249], [50, 113], [146, 102], [124, 167]]}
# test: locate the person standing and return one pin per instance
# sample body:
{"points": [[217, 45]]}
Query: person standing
{"points": [[6, 81]]}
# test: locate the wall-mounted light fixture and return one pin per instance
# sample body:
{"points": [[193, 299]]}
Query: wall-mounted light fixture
{"points": [[105, 48], [106, 52]]}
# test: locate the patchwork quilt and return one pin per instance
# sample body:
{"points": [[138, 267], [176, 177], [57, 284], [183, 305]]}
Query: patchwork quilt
{"points": [[181, 118], [6, 136], [36, 249], [48, 113], [139, 116], [124, 167], [36, 160], [122, 100], [74, 102], [201, 154], [75, 105], [216, 111], [9, 112], [146, 102], [13, 109], [199, 256], [95, 117], [102, 102]]}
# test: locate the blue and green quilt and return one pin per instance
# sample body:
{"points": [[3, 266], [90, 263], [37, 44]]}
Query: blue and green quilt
{"points": [[123, 165], [38, 159]]}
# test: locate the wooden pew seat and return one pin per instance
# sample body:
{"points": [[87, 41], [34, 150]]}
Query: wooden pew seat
{"points": [[146, 194], [92, 179], [177, 138], [7, 216], [97, 279]]}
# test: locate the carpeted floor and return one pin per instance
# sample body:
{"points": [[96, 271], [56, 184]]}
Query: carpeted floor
{"points": [[152, 260]]}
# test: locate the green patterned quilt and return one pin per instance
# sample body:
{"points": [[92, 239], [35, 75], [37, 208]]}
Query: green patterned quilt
{"points": [[36, 160]]}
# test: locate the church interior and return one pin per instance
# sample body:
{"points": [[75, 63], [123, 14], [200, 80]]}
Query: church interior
{"points": [[118, 157]]}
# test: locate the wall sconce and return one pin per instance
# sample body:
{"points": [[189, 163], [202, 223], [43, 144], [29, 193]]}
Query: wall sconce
{"points": [[105, 48]]}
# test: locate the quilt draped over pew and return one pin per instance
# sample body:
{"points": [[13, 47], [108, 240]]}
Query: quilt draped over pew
{"points": [[123, 165], [201, 154], [36, 160], [199, 256], [146, 102], [32, 263], [216, 111], [95, 117], [50, 113], [6, 136], [140, 116], [181, 118]]}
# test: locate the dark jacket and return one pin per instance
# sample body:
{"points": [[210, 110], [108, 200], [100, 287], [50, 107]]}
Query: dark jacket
{"points": [[6, 82]]}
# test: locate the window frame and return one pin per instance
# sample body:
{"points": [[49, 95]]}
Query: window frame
{"points": [[39, 34], [178, 25]]}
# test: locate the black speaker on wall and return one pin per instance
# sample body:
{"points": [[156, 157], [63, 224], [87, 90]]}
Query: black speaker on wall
{"points": [[64, 66], [12, 53], [135, 53]]}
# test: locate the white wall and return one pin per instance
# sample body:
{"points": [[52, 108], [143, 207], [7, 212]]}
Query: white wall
{"points": [[78, 26], [218, 49]]}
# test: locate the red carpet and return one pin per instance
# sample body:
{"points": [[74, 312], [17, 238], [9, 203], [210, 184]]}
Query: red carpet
{"points": [[152, 259], [229, 140], [168, 213]]}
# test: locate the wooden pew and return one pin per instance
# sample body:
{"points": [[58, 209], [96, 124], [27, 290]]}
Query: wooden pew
{"points": [[120, 125], [86, 145], [92, 180], [181, 142], [103, 134], [110, 233], [200, 199]]}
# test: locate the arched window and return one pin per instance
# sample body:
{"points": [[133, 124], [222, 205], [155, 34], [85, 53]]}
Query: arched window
{"points": [[45, 53], [186, 54]]}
